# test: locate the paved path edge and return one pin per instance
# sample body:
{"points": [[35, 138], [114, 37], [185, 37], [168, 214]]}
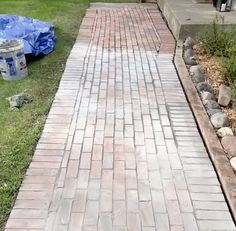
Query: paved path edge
{"points": [[216, 153]]}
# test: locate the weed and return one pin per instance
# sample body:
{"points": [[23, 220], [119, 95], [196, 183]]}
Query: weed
{"points": [[218, 40], [221, 42], [229, 69], [233, 90]]}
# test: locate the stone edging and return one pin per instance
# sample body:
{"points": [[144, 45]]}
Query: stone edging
{"points": [[220, 161]]}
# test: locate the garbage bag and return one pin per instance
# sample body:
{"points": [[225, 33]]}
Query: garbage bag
{"points": [[38, 36]]}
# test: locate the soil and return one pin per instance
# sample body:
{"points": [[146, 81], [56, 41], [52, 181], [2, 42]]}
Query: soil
{"points": [[212, 67]]}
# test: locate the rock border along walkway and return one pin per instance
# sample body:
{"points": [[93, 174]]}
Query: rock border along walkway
{"points": [[212, 142], [120, 149]]}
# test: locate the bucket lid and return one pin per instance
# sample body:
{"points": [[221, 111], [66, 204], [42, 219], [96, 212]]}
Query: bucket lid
{"points": [[10, 45]]}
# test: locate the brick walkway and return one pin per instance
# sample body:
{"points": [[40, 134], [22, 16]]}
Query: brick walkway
{"points": [[120, 149]]}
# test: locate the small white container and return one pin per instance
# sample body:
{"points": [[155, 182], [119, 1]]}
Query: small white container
{"points": [[12, 60]]}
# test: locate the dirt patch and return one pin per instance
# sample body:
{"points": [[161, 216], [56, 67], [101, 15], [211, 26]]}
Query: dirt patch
{"points": [[212, 67]]}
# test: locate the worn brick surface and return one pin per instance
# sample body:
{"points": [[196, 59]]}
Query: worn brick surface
{"points": [[120, 149]]}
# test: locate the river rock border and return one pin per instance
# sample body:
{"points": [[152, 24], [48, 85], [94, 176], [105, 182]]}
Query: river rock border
{"points": [[211, 102]]}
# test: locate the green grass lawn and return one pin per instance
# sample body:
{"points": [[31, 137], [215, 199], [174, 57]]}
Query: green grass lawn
{"points": [[19, 131]]}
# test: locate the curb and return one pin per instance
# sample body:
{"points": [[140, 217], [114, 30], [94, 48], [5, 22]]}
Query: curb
{"points": [[216, 153]]}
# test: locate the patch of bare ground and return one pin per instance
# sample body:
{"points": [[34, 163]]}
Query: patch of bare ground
{"points": [[212, 68]]}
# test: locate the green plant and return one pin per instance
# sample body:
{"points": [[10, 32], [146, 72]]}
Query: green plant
{"points": [[229, 73], [218, 40], [231, 49], [233, 90], [221, 41], [229, 69]]}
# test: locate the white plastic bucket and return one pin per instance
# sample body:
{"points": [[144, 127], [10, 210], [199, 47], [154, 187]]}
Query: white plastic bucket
{"points": [[12, 60]]}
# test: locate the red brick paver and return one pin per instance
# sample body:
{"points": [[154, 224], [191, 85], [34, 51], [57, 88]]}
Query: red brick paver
{"points": [[120, 149]]}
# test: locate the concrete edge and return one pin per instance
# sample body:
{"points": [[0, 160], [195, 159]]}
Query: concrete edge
{"points": [[217, 155], [171, 19], [182, 28]]}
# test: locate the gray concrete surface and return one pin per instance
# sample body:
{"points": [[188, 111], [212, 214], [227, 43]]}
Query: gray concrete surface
{"points": [[185, 17]]}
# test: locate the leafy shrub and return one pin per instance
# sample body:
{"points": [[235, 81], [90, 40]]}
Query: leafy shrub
{"points": [[233, 90], [229, 69], [217, 40]]}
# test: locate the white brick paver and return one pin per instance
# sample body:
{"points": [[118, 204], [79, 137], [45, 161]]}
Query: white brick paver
{"points": [[120, 149]]}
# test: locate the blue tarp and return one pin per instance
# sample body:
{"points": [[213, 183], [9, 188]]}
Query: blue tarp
{"points": [[38, 36]]}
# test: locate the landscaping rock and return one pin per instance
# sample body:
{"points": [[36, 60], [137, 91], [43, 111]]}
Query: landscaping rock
{"points": [[211, 112], [17, 101], [205, 95], [229, 145], [189, 58], [224, 95], [204, 87], [188, 53], [190, 61], [219, 120], [197, 73], [189, 43], [233, 163], [225, 131], [211, 104]]}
